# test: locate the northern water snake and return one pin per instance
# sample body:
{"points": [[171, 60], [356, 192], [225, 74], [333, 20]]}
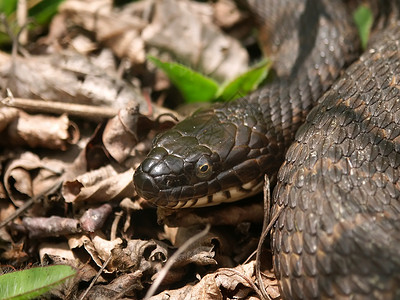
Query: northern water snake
{"points": [[338, 233]]}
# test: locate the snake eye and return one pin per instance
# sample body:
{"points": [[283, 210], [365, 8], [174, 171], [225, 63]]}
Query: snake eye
{"points": [[203, 167]]}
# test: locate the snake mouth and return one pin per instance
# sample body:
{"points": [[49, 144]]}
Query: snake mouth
{"points": [[229, 195], [173, 197]]}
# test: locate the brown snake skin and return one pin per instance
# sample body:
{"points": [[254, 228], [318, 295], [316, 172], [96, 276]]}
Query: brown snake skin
{"points": [[337, 235]]}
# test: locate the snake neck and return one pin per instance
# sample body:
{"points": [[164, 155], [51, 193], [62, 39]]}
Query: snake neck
{"points": [[307, 63]]}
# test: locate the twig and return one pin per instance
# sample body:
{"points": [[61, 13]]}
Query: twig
{"points": [[22, 15], [267, 225], [95, 278], [172, 260], [79, 110], [28, 203]]}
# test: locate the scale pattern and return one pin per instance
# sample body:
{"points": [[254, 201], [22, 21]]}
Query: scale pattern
{"points": [[338, 234]]}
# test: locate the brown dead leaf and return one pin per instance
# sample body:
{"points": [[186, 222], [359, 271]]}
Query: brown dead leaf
{"points": [[97, 246], [118, 29], [226, 13], [6, 209], [27, 175], [41, 131], [7, 114], [201, 44], [101, 185], [122, 133], [233, 283], [124, 285], [60, 250], [67, 77]]}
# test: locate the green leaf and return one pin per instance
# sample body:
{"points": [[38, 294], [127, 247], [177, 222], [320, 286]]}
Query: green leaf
{"points": [[44, 10], [31, 283], [245, 83], [193, 86], [8, 6], [363, 18]]}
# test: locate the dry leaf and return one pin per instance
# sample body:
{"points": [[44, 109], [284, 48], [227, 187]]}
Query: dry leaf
{"points": [[60, 250], [27, 175], [234, 283], [118, 29], [7, 114], [201, 44], [100, 185], [67, 77], [41, 131]]}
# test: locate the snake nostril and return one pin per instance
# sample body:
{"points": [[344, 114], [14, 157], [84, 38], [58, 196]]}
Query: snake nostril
{"points": [[145, 185]]}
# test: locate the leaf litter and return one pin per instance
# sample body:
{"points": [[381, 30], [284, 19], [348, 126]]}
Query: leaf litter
{"points": [[76, 120]]}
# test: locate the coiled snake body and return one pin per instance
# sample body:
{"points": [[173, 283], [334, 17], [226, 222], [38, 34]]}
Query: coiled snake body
{"points": [[338, 190]]}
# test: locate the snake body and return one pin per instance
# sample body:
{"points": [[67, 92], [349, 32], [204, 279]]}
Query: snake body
{"points": [[337, 193]]}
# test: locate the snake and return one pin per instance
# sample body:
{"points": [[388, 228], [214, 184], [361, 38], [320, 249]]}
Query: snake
{"points": [[327, 130]]}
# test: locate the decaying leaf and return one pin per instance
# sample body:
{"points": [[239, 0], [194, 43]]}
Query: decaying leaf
{"points": [[7, 114], [60, 250], [200, 44], [100, 185], [27, 175], [129, 31], [68, 78], [124, 285], [6, 209], [40, 131], [236, 282], [97, 246]]}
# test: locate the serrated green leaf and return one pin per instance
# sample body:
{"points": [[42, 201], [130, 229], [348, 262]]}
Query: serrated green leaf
{"points": [[363, 18], [245, 83], [193, 86], [31, 283]]}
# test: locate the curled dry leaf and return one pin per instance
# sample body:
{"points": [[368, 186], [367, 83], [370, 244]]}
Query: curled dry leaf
{"points": [[96, 246], [27, 175], [123, 285], [101, 185], [94, 218], [222, 284], [122, 133], [6, 209], [60, 250], [41, 131], [50, 227], [7, 114]]}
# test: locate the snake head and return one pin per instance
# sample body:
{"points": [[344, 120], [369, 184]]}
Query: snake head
{"points": [[215, 155], [177, 167]]}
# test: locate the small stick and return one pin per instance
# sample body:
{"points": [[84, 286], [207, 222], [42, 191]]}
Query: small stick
{"points": [[79, 110], [173, 259], [28, 203]]}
